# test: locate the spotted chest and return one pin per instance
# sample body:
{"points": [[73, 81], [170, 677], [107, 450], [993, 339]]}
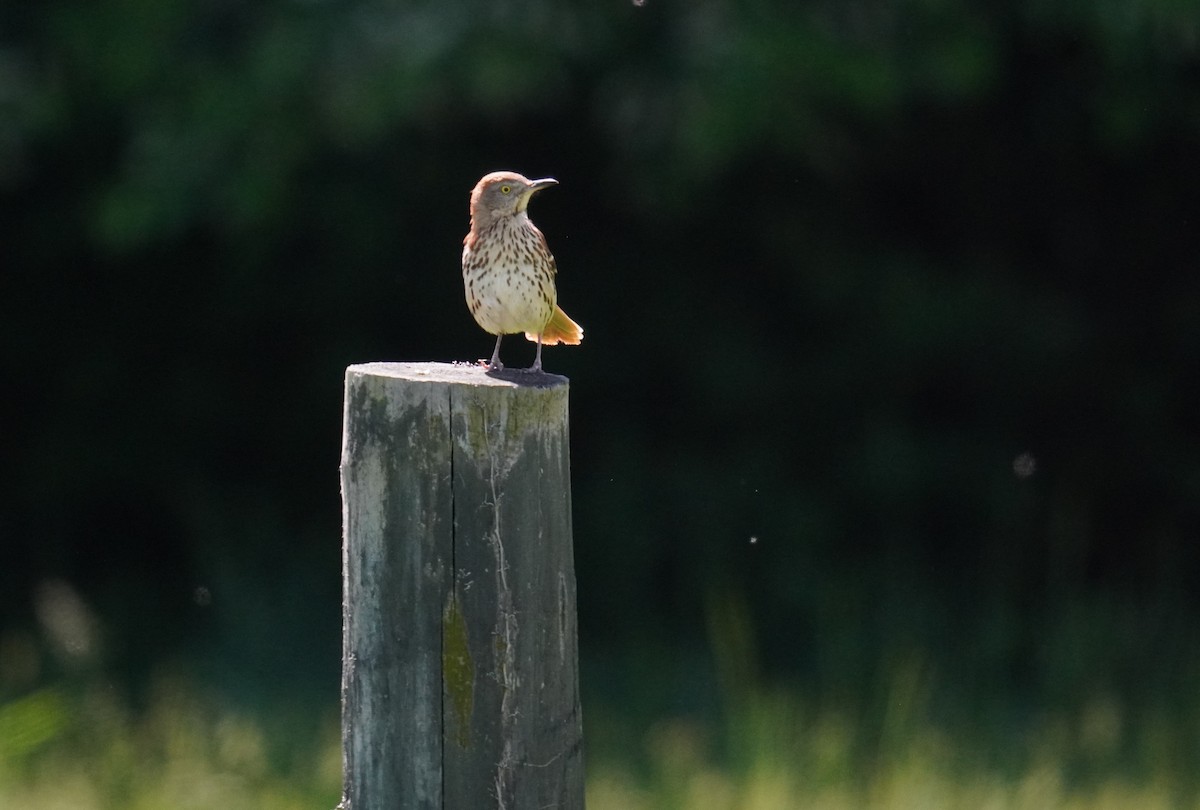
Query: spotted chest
{"points": [[508, 276]]}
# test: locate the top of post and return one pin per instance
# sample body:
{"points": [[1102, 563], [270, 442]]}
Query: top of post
{"points": [[460, 373]]}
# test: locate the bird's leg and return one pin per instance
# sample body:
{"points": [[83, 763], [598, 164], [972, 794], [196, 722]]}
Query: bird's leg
{"points": [[537, 358], [494, 364]]}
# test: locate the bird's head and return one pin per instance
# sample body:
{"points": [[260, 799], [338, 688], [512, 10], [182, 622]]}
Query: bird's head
{"points": [[503, 194]]}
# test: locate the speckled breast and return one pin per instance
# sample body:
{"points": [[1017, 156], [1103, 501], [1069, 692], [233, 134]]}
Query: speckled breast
{"points": [[508, 278]]}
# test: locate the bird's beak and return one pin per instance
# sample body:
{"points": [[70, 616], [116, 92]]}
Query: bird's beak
{"points": [[534, 187]]}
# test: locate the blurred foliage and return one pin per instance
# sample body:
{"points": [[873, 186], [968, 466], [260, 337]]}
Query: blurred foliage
{"points": [[892, 310], [770, 751], [185, 749]]}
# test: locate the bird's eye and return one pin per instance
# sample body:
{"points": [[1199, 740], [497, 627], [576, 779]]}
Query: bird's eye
{"points": [[505, 189]]}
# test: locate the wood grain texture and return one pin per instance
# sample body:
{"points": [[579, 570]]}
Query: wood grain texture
{"points": [[460, 672]]}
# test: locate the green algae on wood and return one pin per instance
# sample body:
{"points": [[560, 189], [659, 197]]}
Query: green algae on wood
{"points": [[458, 670]]}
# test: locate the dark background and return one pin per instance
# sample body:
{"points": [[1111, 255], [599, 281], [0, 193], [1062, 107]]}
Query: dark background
{"points": [[892, 316]]}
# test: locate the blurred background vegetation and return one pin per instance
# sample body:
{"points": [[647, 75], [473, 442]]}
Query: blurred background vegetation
{"points": [[886, 478]]}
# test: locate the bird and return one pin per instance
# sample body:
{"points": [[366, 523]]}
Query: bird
{"points": [[508, 270]]}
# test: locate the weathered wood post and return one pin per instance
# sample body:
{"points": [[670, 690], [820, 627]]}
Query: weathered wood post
{"points": [[460, 685]]}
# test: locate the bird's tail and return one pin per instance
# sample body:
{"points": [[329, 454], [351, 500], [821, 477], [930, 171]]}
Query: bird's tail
{"points": [[560, 329]]}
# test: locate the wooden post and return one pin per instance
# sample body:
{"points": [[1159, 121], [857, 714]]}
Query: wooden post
{"points": [[460, 684]]}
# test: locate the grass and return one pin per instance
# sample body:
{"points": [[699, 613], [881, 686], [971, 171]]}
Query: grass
{"points": [[88, 750], [787, 760]]}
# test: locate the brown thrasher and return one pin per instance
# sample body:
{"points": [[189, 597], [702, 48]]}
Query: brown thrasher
{"points": [[508, 271]]}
